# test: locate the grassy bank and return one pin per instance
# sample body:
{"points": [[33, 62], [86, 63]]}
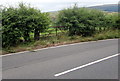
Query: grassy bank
{"points": [[60, 40]]}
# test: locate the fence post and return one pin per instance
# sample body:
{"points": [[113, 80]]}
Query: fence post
{"points": [[56, 30]]}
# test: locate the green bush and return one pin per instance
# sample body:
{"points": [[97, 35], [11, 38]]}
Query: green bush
{"points": [[20, 22], [81, 21], [10, 32], [117, 23]]}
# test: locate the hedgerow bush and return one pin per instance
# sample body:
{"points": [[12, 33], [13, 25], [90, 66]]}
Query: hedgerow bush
{"points": [[84, 21], [20, 22]]}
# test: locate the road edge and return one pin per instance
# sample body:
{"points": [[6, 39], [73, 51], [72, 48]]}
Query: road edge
{"points": [[10, 54]]}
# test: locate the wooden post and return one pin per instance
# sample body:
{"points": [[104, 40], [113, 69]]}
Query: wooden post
{"points": [[56, 30]]}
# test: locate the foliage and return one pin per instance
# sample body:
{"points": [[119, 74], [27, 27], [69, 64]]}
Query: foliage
{"points": [[10, 31], [41, 23], [117, 23], [63, 39], [20, 22], [111, 19], [82, 21]]}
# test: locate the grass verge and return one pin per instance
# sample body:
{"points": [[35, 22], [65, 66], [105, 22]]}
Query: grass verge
{"points": [[60, 40]]}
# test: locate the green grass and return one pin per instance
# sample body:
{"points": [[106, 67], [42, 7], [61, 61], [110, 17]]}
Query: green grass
{"points": [[107, 35], [61, 39], [49, 31]]}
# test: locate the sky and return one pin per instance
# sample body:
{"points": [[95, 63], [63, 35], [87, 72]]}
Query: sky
{"points": [[55, 5]]}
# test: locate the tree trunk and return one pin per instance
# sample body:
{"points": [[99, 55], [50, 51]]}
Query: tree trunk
{"points": [[36, 34], [26, 36]]}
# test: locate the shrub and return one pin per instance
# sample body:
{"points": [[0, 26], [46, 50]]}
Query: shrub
{"points": [[20, 22], [81, 21]]}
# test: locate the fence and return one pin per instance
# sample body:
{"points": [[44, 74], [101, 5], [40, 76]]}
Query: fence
{"points": [[53, 30]]}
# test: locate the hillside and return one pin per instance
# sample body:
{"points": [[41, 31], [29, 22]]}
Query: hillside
{"points": [[108, 8]]}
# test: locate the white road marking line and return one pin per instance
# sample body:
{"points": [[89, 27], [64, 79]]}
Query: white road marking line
{"points": [[79, 67]]}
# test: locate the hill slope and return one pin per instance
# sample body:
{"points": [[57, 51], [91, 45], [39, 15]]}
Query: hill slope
{"points": [[109, 8]]}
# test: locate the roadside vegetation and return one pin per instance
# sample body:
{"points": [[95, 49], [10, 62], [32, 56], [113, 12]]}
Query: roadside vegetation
{"points": [[27, 28]]}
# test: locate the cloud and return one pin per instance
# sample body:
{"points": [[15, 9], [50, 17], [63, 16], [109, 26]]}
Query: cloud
{"points": [[53, 5]]}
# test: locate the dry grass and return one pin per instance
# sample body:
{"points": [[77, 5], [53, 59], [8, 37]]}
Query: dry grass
{"points": [[61, 40]]}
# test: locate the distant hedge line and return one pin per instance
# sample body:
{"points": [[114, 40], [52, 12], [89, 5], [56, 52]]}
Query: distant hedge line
{"points": [[85, 21], [18, 23]]}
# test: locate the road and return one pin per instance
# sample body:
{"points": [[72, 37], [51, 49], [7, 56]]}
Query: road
{"points": [[89, 60]]}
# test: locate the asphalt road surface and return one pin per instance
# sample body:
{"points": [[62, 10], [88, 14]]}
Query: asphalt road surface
{"points": [[90, 60]]}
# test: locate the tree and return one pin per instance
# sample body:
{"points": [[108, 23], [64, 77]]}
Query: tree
{"points": [[10, 31], [20, 22], [41, 24], [81, 21], [34, 21], [117, 22]]}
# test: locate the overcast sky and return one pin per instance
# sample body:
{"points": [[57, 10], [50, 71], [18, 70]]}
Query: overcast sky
{"points": [[54, 5]]}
